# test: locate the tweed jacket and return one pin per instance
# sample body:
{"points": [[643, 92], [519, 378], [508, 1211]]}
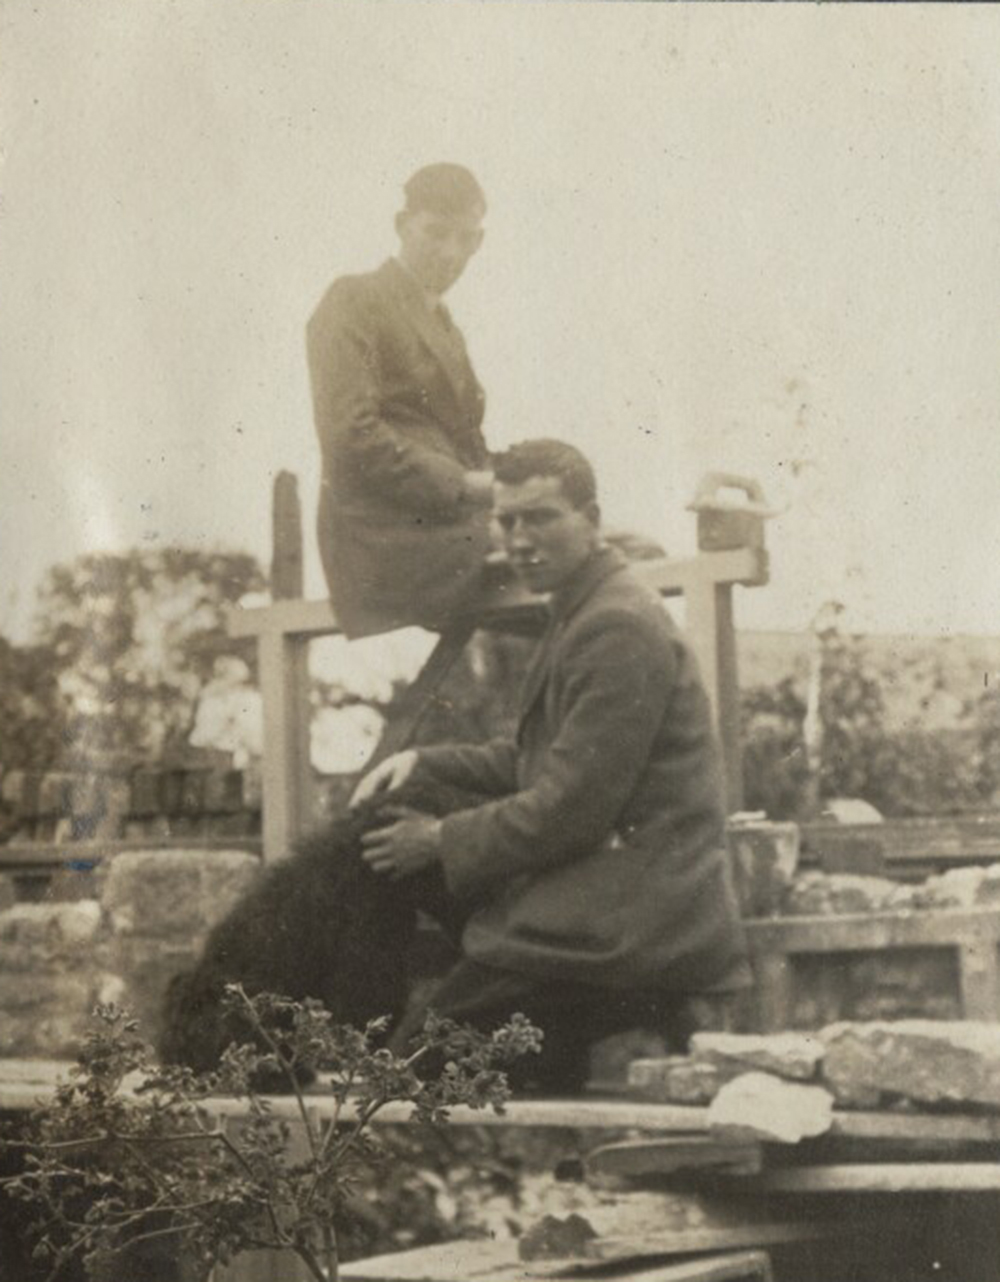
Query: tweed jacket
{"points": [[398, 411], [601, 858]]}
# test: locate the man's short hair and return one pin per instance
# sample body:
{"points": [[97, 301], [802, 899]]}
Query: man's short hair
{"points": [[546, 457], [444, 189]]}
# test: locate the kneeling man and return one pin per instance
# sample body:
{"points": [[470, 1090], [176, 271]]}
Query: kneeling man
{"points": [[592, 886]]}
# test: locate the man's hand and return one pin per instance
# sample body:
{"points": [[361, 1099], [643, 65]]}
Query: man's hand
{"points": [[391, 774], [405, 847]]}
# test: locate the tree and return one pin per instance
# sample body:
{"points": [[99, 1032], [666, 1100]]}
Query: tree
{"points": [[133, 637], [32, 709], [128, 1153]]}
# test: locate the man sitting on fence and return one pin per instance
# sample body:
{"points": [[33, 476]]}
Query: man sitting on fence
{"points": [[404, 501], [593, 886]]}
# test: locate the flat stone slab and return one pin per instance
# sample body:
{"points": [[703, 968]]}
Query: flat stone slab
{"points": [[757, 1106], [792, 1055], [927, 1061]]}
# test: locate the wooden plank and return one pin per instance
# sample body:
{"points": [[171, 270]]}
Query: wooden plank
{"points": [[747, 566], [671, 1156], [921, 845], [285, 768], [881, 1177], [737, 1266], [25, 1082], [863, 931], [774, 990], [978, 978], [930, 1128], [484, 1261], [693, 1241]]}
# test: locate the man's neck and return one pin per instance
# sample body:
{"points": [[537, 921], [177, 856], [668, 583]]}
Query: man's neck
{"points": [[430, 298]]}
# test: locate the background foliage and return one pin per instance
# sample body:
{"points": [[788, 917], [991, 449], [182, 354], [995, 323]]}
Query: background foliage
{"points": [[126, 645]]}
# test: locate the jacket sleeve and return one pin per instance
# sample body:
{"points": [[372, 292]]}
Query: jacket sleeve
{"points": [[347, 402], [488, 768], [616, 687]]}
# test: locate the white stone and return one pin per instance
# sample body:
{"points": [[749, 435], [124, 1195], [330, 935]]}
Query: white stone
{"points": [[758, 1106], [927, 1061]]}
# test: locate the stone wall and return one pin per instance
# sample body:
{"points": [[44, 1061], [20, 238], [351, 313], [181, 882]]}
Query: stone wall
{"points": [[140, 804], [147, 920]]}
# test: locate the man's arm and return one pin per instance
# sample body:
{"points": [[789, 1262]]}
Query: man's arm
{"points": [[347, 401], [489, 769], [617, 686]]}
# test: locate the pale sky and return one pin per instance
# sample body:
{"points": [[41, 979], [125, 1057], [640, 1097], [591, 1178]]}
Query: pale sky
{"points": [[759, 238]]}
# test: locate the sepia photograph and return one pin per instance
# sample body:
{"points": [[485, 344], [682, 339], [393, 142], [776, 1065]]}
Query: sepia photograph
{"points": [[499, 641]]}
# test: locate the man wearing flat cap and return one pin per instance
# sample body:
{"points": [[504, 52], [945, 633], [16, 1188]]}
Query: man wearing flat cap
{"points": [[404, 504]]}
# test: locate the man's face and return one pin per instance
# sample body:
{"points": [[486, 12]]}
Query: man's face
{"points": [[435, 247], [545, 537]]}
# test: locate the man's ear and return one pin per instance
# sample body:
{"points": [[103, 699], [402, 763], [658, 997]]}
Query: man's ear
{"points": [[593, 513], [399, 222]]}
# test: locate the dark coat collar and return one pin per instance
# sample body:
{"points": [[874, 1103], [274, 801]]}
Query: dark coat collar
{"points": [[562, 604], [568, 598]]}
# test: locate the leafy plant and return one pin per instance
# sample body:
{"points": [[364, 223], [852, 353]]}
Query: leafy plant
{"points": [[129, 1152]]}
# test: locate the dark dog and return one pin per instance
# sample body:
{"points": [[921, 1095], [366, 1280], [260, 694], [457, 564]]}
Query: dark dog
{"points": [[319, 924]]}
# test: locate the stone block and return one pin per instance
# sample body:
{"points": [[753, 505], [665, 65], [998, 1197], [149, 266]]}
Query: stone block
{"points": [[757, 1106], [193, 791], [43, 1033], [86, 795], [36, 936], [19, 791], [677, 1079], [11, 788], [145, 793], [764, 857], [54, 793], [790, 1055], [224, 791], [819, 894], [926, 1061], [64, 989], [164, 893], [144, 968], [172, 791], [611, 1057]]}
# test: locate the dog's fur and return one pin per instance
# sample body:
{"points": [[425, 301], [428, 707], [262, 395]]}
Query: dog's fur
{"points": [[319, 924]]}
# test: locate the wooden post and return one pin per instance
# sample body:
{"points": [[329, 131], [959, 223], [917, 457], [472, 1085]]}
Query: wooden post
{"points": [[712, 633], [284, 683], [287, 573]]}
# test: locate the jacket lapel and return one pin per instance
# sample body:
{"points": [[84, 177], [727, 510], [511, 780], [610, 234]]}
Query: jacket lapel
{"points": [[563, 604], [445, 345]]}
